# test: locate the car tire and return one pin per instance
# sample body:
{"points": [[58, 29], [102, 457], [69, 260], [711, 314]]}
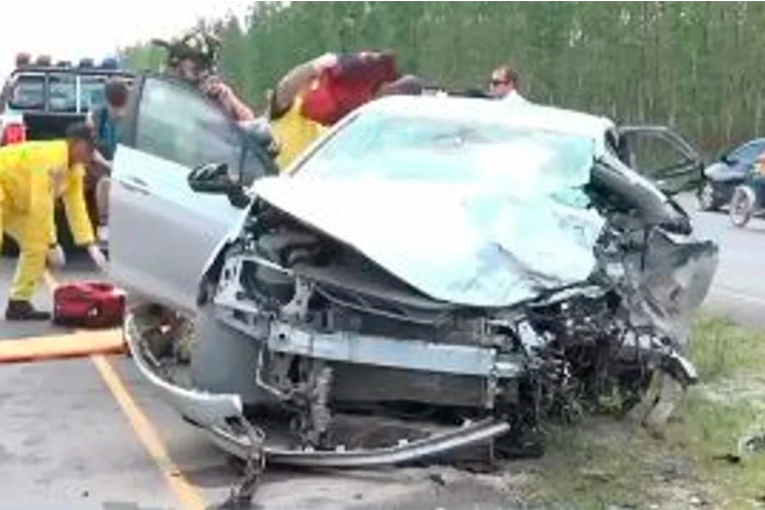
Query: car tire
{"points": [[708, 197], [742, 205], [224, 360]]}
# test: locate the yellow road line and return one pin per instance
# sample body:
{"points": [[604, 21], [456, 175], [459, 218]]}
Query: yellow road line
{"points": [[186, 493]]}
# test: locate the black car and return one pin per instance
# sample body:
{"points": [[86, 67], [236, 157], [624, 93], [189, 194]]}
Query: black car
{"points": [[720, 178]]}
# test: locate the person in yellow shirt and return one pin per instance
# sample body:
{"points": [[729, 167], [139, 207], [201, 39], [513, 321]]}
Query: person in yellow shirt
{"points": [[33, 175], [295, 132]]}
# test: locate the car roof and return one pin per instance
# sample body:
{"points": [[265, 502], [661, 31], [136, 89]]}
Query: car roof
{"points": [[752, 141], [526, 115]]}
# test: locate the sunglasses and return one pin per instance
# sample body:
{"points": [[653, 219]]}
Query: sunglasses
{"points": [[497, 83]]}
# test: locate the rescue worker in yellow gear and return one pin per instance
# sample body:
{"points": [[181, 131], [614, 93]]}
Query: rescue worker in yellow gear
{"points": [[33, 175]]}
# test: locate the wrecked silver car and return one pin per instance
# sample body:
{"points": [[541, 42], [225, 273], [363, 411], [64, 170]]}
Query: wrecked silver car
{"points": [[449, 269]]}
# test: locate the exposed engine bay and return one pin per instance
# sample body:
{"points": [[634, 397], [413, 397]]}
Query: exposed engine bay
{"points": [[334, 339]]}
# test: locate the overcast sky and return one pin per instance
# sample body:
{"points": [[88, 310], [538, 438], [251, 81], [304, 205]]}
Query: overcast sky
{"points": [[74, 29]]}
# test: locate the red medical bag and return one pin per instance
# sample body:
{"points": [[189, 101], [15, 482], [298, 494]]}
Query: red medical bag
{"points": [[348, 85], [89, 304]]}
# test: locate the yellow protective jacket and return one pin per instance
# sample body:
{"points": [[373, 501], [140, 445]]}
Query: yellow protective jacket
{"points": [[294, 133], [26, 191]]}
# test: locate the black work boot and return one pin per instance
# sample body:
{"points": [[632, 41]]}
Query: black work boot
{"points": [[24, 311]]}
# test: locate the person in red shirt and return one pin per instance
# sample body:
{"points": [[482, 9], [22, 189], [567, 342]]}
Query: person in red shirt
{"points": [[303, 106]]}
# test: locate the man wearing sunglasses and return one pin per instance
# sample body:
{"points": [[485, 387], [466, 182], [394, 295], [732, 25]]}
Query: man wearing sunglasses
{"points": [[504, 85]]}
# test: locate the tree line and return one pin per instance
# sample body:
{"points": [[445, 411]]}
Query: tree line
{"points": [[691, 65]]}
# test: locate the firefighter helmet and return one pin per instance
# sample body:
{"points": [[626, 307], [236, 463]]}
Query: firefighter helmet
{"points": [[197, 44]]}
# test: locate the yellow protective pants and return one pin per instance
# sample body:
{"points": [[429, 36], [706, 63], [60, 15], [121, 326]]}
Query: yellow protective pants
{"points": [[31, 264]]}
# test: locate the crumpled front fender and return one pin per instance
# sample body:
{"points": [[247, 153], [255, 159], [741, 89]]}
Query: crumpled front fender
{"points": [[214, 413], [675, 279], [202, 408]]}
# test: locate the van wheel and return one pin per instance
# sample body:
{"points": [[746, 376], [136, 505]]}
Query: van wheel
{"points": [[742, 206]]}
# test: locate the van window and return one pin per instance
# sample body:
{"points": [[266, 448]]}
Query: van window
{"points": [[62, 93], [92, 92], [28, 92]]}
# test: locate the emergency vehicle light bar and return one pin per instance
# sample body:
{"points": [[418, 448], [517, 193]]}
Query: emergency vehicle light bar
{"points": [[24, 59]]}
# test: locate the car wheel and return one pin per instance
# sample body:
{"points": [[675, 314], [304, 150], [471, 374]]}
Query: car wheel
{"points": [[742, 206], [224, 360], [708, 200]]}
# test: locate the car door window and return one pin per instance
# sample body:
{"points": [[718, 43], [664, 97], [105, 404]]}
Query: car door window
{"points": [[747, 153], [177, 123], [659, 154], [653, 156], [28, 93]]}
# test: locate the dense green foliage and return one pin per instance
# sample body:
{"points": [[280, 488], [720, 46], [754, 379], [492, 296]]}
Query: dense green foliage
{"points": [[688, 65]]}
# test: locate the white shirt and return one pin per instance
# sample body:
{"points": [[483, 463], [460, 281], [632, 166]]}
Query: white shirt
{"points": [[514, 97]]}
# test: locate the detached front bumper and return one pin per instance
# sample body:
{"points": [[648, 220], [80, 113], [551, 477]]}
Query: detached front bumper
{"points": [[217, 415], [199, 407]]}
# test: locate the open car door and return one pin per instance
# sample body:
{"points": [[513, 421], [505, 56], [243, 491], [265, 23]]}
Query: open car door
{"points": [[659, 154], [162, 231]]}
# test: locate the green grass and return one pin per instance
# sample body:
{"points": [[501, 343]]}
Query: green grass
{"points": [[706, 432], [721, 349], [605, 463], [731, 362], [586, 472]]}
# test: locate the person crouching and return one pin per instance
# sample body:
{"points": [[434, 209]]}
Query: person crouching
{"points": [[33, 175]]}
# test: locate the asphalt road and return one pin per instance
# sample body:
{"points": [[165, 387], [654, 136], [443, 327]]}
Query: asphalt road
{"points": [[66, 440], [737, 291]]}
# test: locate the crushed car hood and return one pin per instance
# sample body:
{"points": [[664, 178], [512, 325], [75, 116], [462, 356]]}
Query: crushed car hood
{"points": [[467, 245]]}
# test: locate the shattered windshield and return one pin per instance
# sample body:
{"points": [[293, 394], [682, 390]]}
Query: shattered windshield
{"points": [[471, 152]]}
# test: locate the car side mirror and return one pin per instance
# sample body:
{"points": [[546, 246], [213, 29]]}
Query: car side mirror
{"points": [[215, 178], [211, 178]]}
